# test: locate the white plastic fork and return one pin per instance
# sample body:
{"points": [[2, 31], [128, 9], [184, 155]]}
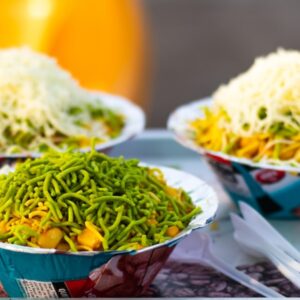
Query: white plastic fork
{"points": [[254, 219], [208, 257], [255, 245]]}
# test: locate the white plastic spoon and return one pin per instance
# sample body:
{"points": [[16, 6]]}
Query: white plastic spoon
{"points": [[208, 257], [253, 236], [253, 218], [254, 245]]}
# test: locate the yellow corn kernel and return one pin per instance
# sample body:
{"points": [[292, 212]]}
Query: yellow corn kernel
{"points": [[172, 231], [50, 238], [89, 238]]}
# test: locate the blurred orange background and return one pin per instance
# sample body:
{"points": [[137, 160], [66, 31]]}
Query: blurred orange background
{"points": [[101, 42], [195, 45]]}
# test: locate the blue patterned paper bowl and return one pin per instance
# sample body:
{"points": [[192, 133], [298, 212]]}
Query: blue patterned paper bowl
{"points": [[273, 190], [48, 273]]}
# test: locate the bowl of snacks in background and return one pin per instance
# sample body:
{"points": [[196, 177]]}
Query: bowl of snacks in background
{"points": [[249, 132], [42, 107], [92, 225]]}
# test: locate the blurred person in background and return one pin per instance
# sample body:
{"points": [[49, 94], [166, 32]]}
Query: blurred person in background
{"points": [[101, 42]]}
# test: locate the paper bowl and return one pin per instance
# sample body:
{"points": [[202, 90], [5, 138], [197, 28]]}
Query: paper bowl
{"points": [[272, 190], [134, 124], [46, 273]]}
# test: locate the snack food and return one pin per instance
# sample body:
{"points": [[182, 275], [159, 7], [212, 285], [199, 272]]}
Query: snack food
{"points": [[90, 202], [42, 106], [59, 273], [256, 115]]}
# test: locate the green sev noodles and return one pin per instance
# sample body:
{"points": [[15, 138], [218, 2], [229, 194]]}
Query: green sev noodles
{"points": [[88, 201]]}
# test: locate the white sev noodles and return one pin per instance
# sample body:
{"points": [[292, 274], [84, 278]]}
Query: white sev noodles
{"points": [[272, 83], [36, 96]]}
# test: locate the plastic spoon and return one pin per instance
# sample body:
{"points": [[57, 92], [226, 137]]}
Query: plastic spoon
{"points": [[255, 246], [267, 230], [249, 234], [208, 257], [292, 275]]}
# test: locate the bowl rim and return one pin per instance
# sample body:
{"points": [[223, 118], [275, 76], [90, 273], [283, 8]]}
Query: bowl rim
{"points": [[208, 204], [176, 123], [135, 122]]}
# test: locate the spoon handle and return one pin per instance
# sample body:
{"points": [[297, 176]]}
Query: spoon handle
{"points": [[261, 225], [207, 256], [240, 277]]}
